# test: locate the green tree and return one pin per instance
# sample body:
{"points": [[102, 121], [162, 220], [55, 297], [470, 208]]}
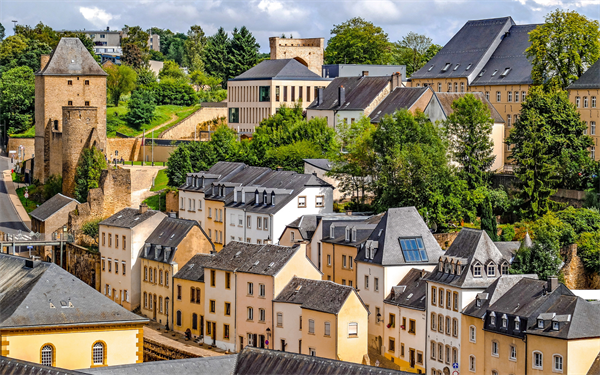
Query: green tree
{"points": [[215, 55], [357, 41], [132, 56], [548, 147], [17, 95], [141, 108], [42, 33], [488, 220], [120, 81], [469, 130], [563, 47], [171, 70], [92, 229], [588, 249], [135, 47], [194, 48], [225, 144], [179, 165], [416, 45], [2, 33], [87, 175], [291, 157], [165, 36], [176, 51], [52, 187], [242, 52], [17, 51], [145, 76], [156, 55]]}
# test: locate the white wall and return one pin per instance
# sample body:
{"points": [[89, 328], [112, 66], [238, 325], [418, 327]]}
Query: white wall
{"points": [[371, 297], [330, 115], [186, 213], [290, 331]]}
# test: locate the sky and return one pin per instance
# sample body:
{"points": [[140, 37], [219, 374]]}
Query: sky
{"points": [[438, 19]]}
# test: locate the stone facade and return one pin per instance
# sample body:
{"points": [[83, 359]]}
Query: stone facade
{"points": [[445, 239], [307, 51], [172, 198], [186, 127], [27, 143], [127, 148], [574, 272], [84, 264]]}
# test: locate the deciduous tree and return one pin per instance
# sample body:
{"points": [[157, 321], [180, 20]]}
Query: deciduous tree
{"points": [[135, 47], [120, 81], [17, 95], [141, 108], [87, 175], [194, 48], [357, 41]]}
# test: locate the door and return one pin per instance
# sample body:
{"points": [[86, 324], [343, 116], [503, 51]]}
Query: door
{"points": [[214, 333], [202, 325], [283, 344], [262, 341], [154, 310], [412, 358]]}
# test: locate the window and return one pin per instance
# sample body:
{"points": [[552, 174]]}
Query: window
{"points": [[440, 323], [448, 299], [441, 297], [109, 240], [70, 102], [585, 102], [433, 321], [292, 236], [344, 262], [47, 355], [516, 96], [540, 324], [179, 292], [266, 223], [492, 318], [413, 249], [462, 87], [432, 351], [327, 329], [110, 268], [513, 353], [145, 300], [376, 284], [311, 351], [353, 329], [491, 270], [261, 290], [250, 289], [300, 323], [225, 331], [285, 99], [308, 94], [392, 345], [455, 86], [166, 278], [116, 241], [433, 295], [449, 87], [593, 102], [264, 94], [487, 95], [351, 263], [472, 335], [227, 280], [593, 127], [593, 153], [557, 363], [160, 274], [192, 294], [419, 357], [577, 101], [495, 348], [504, 269], [440, 352], [523, 94], [227, 308], [477, 270], [504, 321], [302, 202], [311, 326], [366, 281], [455, 301], [293, 93], [412, 326], [508, 120], [439, 87], [319, 201], [250, 313], [262, 315], [87, 103], [86, 82], [455, 327], [472, 363], [538, 360], [69, 83], [392, 321], [509, 97], [498, 96], [234, 116], [517, 323], [279, 320], [454, 355], [212, 306], [448, 325], [213, 276]]}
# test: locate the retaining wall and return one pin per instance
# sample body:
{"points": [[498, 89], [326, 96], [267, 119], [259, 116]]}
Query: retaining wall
{"points": [[185, 128]]}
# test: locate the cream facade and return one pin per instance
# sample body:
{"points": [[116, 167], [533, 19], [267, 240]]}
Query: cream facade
{"points": [[586, 102]]}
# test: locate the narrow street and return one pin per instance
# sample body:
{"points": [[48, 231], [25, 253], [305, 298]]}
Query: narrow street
{"points": [[10, 221]]}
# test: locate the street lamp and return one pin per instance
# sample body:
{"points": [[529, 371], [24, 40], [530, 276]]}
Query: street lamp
{"points": [[167, 308], [379, 318], [268, 336]]}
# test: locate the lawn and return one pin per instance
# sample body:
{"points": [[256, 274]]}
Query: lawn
{"points": [[29, 133], [153, 202], [161, 180], [28, 204], [115, 119]]}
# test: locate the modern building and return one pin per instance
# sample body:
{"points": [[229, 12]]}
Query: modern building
{"points": [[171, 245], [584, 93], [355, 70], [258, 92], [321, 318], [121, 242], [54, 319]]}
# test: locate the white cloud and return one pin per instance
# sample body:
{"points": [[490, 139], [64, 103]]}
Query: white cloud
{"points": [[97, 16]]}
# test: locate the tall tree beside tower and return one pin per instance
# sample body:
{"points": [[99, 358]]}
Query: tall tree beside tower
{"points": [[215, 55]]}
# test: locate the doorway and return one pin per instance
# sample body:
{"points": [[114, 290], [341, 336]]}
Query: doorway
{"points": [[154, 309], [412, 358]]}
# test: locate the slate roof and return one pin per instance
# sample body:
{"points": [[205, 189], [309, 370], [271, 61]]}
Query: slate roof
{"points": [[472, 45], [493, 293], [319, 295], [509, 54], [46, 296], [399, 98], [222, 365], [589, 80], [281, 69], [194, 269], [360, 93], [220, 170], [51, 206], [323, 164], [71, 58], [252, 361], [411, 291], [396, 223], [508, 249], [469, 247], [252, 258], [12, 366], [363, 230], [129, 218], [447, 98], [306, 225]]}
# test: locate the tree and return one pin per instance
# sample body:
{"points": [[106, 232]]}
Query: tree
{"points": [[171, 70], [588, 249], [18, 51], [52, 186], [156, 55], [145, 76], [135, 47], [42, 33], [357, 41], [215, 55], [120, 81], [242, 52], [430, 53], [418, 45], [176, 51], [179, 165], [194, 48], [488, 220], [87, 175], [548, 147], [2, 33], [92, 229], [291, 157], [141, 108], [469, 130], [563, 48], [17, 109], [132, 56]]}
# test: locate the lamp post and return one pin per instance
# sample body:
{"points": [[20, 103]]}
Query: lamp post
{"points": [[379, 318], [167, 299], [62, 240]]}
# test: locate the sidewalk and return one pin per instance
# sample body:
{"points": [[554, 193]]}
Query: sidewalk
{"points": [[14, 198], [156, 332]]}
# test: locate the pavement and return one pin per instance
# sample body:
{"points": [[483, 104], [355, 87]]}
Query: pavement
{"points": [[11, 221], [156, 332]]}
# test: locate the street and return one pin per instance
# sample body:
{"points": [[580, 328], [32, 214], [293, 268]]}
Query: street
{"points": [[10, 222]]}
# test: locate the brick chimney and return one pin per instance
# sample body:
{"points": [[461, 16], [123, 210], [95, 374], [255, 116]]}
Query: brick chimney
{"points": [[319, 96], [341, 95], [552, 283], [143, 208], [44, 61], [396, 80]]}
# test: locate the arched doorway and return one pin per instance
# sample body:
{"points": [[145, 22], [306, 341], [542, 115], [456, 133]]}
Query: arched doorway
{"points": [[301, 61]]}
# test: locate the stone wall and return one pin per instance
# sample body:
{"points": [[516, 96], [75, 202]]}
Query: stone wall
{"points": [[128, 148], [84, 264], [307, 51], [155, 351], [576, 277], [172, 201], [28, 143], [445, 239], [573, 198], [185, 128]]}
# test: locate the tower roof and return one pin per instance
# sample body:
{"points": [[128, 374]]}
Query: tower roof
{"points": [[71, 58]]}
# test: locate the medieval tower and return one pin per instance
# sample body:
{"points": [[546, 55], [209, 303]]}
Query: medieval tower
{"points": [[70, 111], [309, 51]]}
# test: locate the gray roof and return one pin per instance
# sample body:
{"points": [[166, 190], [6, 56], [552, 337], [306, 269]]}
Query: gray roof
{"points": [[194, 269], [323, 164], [47, 295], [396, 223], [469, 247], [447, 98], [129, 218], [12, 366], [399, 98], [508, 249], [252, 361], [252, 258], [221, 365], [509, 54], [411, 291], [319, 295], [589, 80], [283, 69], [306, 225], [493, 293], [71, 58], [363, 229], [471, 47], [220, 170], [360, 93], [51, 206]]}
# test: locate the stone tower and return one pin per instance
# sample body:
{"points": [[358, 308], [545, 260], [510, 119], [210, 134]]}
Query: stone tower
{"points": [[307, 51], [69, 83]]}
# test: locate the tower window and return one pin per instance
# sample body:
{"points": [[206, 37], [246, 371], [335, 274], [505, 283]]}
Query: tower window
{"points": [[69, 83], [70, 102], [87, 103], [87, 82]]}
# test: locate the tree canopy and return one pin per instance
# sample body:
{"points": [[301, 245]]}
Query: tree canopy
{"points": [[87, 175], [121, 80], [242, 52], [215, 55], [358, 41], [17, 109]]}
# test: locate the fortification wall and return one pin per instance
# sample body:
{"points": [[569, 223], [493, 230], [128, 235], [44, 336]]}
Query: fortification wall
{"points": [[128, 148], [85, 265], [308, 51], [185, 128], [27, 143]]}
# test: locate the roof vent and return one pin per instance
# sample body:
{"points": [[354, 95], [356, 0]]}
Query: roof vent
{"points": [[271, 264], [29, 263], [256, 263]]}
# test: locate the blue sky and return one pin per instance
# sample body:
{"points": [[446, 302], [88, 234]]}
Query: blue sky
{"points": [[438, 19]]}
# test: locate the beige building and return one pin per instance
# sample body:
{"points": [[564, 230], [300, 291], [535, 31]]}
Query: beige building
{"points": [[257, 93], [584, 94], [122, 239], [321, 318], [55, 319], [171, 245], [307, 51]]}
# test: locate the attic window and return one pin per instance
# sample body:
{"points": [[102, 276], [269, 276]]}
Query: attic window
{"points": [[430, 68], [505, 73], [495, 71], [273, 199], [347, 237], [271, 264], [332, 231], [468, 67], [481, 73], [540, 323], [446, 67], [456, 67], [353, 235], [298, 288], [555, 326], [413, 249], [256, 263], [478, 302], [265, 197]]}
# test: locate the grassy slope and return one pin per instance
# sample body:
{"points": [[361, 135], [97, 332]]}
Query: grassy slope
{"points": [[28, 204], [115, 116], [161, 180]]}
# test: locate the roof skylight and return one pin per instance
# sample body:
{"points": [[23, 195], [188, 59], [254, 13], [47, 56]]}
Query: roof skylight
{"points": [[495, 71], [482, 72], [468, 67], [505, 73], [456, 67], [446, 67], [430, 68], [413, 249]]}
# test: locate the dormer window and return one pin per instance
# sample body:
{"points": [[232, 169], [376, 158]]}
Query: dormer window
{"points": [[256, 197], [493, 319], [222, 191], [540, 323], [265, 197], [504, 321], [430, 68], [273, 199], [441, 266], [456, 67], [517, 323], [446, 67], [353, 235], [478, 302], [347, 235], [504, 268], [458, 268], [332, 231], [555, 326], [446, 267], [477, 270], [491, 270]]}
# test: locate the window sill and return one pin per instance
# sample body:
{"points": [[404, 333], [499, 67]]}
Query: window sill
{"points": [[353, 337], [96, 366], [495, 355], [514, 360]]}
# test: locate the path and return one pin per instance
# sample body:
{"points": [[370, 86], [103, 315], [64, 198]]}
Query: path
{"points": [[10, 220], [155, 332], [141, 182], [173, 118]]}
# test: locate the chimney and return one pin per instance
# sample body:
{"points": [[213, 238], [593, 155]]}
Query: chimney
{"points": [[243, 196], [167, 253], [157, 249], [107, 28], [396, 80], [341, 95], [143, 208], [365, 73], [319, 96], [173, 214], [279, 168], [146, 249], [552, 283], [44, 61]]}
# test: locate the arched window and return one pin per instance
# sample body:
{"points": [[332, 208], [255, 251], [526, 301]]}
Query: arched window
{"points": [[477, 270], [98, 354], [557, 363], [537, 360], [472, 363], [145, 300], [47, 355], [179, 318], [155, 278], [491, 269], [145, 273], [472, 334], [160, 307], [166, 278]]}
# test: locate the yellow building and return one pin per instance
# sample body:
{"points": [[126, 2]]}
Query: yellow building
{"points": [[57, 320], [173, 243], [584, 93], [321, 318]]}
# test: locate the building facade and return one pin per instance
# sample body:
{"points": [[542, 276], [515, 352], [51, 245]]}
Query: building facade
{"points": [[307, 51], [584, 94]]}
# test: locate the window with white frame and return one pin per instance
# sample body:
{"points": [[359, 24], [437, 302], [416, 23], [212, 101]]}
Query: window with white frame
{"points": [[279, 319], [240, 221], [509, 97], [265, 223], [472, 334], [513, 353], [262, 314], [472, 363], [432, 350], [302, 202], [261, 290], [47, 355], [538, 360], [250, 313], [353, 329], [498, 96], [327, 329], [312, 352], [557, 363], [250, 289], [477, 270], [495, 348], [366, 281], [320, 201], [593, 127], [259, 222], [491, 270], [311, 326], [98, 353]]}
